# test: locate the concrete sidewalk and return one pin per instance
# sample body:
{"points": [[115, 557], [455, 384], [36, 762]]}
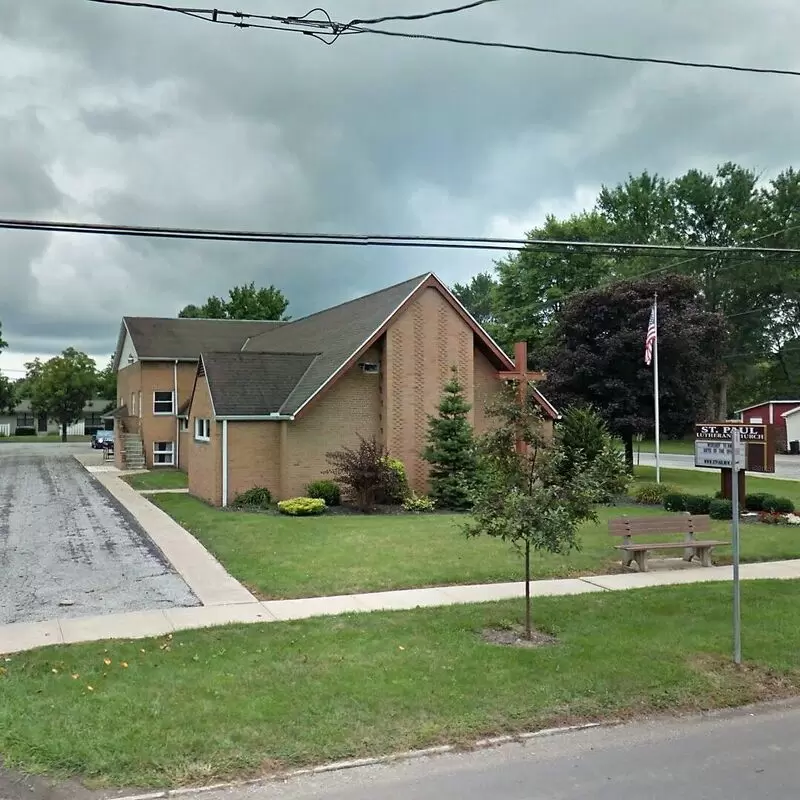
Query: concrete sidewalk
{"points": [[27, 636]]}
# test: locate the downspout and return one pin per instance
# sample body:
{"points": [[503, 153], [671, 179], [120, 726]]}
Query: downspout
{"points": [[177, 419], [224, 462]]}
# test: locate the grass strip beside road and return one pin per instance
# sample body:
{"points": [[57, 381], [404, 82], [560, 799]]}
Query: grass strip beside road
{"points": [[158, 479], [247, 700]]}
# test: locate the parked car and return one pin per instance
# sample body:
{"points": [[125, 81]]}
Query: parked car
{"points": [[102, 439]]}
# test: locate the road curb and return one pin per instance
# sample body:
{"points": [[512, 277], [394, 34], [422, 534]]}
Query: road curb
{"points": [[355, 763]]}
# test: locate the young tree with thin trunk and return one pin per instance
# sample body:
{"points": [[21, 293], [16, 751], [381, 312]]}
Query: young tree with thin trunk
{"points": [[528, 490]]}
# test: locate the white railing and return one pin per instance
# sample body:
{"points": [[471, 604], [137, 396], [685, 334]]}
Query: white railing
{"points": [[5, 429]]}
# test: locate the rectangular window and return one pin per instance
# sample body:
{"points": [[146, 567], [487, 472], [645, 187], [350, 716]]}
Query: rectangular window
{"points": [[184, 424], [140, 404], [162, 403], [25, 420], [163, 454], [202, 429], [133, 404]]}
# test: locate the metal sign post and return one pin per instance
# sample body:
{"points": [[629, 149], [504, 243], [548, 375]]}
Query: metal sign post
{"points": [[736, 460]]}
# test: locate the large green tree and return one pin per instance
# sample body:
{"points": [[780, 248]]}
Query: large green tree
{"points": [[61, 386], [107, 382], [244, 302], [597, 355], [534, 283]]}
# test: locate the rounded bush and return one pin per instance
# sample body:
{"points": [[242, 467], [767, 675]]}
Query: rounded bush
{"points": [[697, 504], [399, 490], [257, 497], [302, 506], [778, 505], [325, 490], [652, 494], [25, 432], [721, 509], [676, 501], [418, 504], [757, 501]]}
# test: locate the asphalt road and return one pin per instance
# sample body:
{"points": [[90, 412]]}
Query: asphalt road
{"points": [[68, 548], [736, 756], [786, 467]]}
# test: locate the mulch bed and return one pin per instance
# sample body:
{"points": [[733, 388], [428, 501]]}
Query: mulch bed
{"points": [[514, 637]]}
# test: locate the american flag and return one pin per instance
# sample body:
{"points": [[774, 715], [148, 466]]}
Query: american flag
{"points": [[650, 339]]}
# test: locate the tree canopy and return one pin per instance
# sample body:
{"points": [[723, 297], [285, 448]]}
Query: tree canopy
{"points": [[61, 386], [244, 302], [597, 355], [757, 294]]}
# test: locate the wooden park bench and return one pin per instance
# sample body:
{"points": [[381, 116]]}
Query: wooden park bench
{"points": [[629, 527]]}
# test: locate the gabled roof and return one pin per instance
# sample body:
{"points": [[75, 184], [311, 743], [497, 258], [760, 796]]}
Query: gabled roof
{"points": [[767, 403], [791, 412], [253, 384], [185, 338], [337, 334]]}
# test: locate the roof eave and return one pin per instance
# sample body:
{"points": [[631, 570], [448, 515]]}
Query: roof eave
{"points": [[255, 418]]}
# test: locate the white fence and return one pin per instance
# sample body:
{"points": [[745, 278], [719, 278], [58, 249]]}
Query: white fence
{"points": [[5, 429], [77, 429]]}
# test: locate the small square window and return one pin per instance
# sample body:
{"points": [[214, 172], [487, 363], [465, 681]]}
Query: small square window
{"points": [[202, 429], [162, 403], [163, 454]]}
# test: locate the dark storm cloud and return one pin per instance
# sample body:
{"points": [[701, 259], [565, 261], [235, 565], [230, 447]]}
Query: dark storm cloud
{"points": [[126, 115]]}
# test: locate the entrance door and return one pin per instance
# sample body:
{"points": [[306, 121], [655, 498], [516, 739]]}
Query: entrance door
{"points": [[42, 423]]}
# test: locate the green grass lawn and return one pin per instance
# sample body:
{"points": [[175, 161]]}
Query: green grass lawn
{"points": [[285, 557], [246, 700], [166, 478], [679, 447], [697, 482]]}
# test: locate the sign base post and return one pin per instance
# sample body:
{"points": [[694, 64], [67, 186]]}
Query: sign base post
{"points": [[726, 484]]}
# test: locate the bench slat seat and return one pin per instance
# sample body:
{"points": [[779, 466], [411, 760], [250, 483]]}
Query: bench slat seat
{"points": [[686, 524]]}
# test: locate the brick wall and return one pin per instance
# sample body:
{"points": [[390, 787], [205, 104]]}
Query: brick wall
{"points": [[351, 407], [129, 379], [204, 458], [254, 457], [421, 346]]}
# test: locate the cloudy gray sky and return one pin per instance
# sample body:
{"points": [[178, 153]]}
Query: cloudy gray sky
{"points": [[133, 116]]}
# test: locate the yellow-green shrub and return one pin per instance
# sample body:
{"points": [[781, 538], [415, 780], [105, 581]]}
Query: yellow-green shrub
{"points": [[302, 506]]}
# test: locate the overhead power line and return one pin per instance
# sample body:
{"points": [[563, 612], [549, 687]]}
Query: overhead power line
{"points": [[324, 25], [379, 240]]}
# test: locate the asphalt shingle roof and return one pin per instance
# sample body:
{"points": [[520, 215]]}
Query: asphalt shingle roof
{"points": [[253, 384], [168, 338], [335, 334]]}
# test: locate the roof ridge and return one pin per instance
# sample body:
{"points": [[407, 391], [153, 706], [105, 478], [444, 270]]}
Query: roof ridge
{"points": [[229, 353], [418, 279], [203, 319]]}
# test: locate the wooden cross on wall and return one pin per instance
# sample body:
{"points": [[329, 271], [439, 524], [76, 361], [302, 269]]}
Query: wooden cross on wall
{"points": [[522, 378]]}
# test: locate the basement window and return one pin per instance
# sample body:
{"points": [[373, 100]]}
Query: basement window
{"points": [[202, 430], [162, 403], [163, 454]]}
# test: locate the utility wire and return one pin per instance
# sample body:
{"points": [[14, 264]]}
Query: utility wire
{"points": [[380, 240], [313, 27], [421, 16]]}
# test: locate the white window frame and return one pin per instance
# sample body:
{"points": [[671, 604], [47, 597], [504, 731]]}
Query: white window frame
{"points": [[202, 429], [171, 411], [133, 404], [184, 424], [164, 451]]}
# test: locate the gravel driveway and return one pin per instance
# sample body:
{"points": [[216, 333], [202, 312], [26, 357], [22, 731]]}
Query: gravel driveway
{"points": [[68, 548]]}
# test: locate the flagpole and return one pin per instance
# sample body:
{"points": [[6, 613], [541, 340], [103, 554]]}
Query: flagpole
{"points": [[655, 390]]}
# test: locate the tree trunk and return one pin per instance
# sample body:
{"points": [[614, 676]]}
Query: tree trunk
{"points": [[723, 398], [63, 431], [627, 438], [528, 627]]}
